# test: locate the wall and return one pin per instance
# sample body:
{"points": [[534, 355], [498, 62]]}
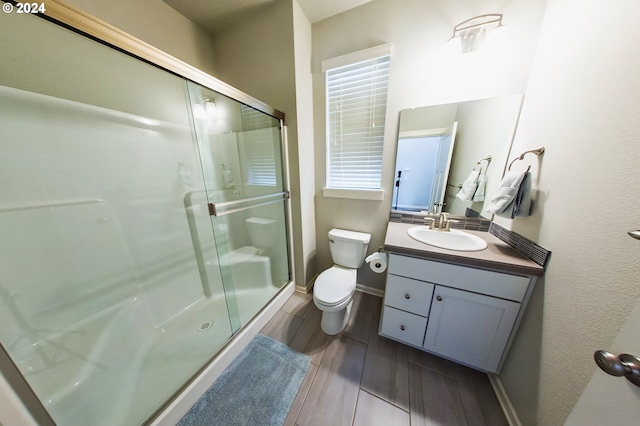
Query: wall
{"points": [[582, 104], [604, 391], [304, 111], [259, 57], [420, 75], [156, 23]]}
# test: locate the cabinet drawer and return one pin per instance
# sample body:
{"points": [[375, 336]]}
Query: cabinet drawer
{"points": [[408, 295], [505, 286], [403, 326]]}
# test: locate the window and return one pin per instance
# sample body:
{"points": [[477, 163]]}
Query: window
{"points": [[259, 138], [261, 161], [356, 87]]}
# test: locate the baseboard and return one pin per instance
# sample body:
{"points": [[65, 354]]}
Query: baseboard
{"points": [[370, 290], [360, 287], [503, 399], [307, 287]]}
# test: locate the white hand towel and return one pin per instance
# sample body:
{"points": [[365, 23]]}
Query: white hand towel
{"points": [[469, 186], [507, 192], [482, 184]]}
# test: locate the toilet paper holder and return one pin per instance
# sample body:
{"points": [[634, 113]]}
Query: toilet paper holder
{"points": [[377, 261]]}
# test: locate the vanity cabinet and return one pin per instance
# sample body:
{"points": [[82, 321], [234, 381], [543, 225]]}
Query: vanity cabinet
{"points": [[461, 313]]}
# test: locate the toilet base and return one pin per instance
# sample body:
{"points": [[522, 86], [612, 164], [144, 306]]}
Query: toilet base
{"points": [[333, 323]]}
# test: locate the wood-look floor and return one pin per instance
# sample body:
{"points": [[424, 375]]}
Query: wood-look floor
{"points": [[361, 378]]}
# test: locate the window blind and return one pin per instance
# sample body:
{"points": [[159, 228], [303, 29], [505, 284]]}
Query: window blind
{"points": [[259, 137], [356, 109], [261, 160]]}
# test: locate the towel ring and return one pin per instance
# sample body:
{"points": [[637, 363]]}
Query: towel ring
{"points": [[487, 158], [538, 151]]}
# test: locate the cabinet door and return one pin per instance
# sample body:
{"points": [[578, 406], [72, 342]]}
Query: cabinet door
{"points": [[469, 327]]}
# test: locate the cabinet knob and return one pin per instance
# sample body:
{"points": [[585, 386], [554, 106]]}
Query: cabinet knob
{"points": [[439, 298], [402, 327], [407, 296]]}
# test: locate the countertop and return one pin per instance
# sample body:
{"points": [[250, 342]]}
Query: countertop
{"points": [[497, 256]]}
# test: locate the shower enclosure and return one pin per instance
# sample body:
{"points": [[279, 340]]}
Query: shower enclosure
{"points": [[142, 223]]}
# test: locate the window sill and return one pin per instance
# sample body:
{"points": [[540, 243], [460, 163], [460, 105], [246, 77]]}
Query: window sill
{"points": [[354, 194]]}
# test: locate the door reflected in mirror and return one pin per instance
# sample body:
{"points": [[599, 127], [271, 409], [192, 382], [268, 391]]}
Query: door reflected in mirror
{"points": [[424, 157], [442, 147]]}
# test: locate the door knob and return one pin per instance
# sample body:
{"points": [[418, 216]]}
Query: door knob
{"points": [[622, 365]]}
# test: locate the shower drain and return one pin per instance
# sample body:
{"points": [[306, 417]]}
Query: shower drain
{"points": [[205, 326]]}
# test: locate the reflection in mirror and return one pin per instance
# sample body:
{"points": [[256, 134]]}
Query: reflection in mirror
{"points": [[240, 146], [442, 147], [425, 157]]}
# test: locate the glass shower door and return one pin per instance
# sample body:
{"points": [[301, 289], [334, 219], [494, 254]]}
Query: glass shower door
{"points": [[105, 309], [242, 163]]}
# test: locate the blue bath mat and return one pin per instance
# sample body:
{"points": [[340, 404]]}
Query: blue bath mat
{"points": [[258, 388]]}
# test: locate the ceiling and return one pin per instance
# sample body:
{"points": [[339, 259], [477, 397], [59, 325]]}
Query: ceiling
{"points": [[215, 16]]}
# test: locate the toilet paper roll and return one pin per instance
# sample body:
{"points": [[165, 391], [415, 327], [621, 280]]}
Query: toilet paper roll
{"points": [[377, 262]]}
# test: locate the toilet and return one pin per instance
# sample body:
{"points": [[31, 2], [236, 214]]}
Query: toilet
{"points": [[334, 288]]}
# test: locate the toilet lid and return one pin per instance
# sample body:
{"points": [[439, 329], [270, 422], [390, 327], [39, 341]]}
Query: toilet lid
{"points": [[335, 285]]}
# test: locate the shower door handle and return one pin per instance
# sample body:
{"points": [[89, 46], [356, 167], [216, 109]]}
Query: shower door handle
{"points": [[220, 209]]}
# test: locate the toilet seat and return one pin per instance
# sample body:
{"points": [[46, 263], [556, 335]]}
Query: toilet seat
{"points": [[335, 285]]}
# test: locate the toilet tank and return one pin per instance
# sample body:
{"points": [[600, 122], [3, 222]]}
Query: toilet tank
{"points": [[348, 248]]}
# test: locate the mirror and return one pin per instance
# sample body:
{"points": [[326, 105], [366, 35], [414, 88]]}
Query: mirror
{"points": [[441, 147]]}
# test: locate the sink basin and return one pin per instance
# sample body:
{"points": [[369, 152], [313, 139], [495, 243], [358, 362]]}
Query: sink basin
{"points": [[452, 240]]}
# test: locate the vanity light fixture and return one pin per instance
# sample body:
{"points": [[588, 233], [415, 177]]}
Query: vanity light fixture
{"points": [[477, 32]]}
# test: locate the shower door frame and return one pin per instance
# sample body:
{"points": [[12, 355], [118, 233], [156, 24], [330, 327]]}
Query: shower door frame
{"points": [[89, 26]]}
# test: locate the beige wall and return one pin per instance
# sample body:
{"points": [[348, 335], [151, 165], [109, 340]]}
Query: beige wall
{"points": [[156, 23], [420, 75], [306, 169], [582, 104], [259, 58]]}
